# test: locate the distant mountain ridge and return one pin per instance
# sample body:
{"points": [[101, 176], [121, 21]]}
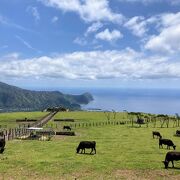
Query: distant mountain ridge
{"points": [[15, 98]]}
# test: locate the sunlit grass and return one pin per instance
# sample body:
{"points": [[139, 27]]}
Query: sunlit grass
{"points": [[9, 119], [119, 147]]}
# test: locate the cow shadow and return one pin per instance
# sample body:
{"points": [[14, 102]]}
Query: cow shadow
{"points": [[177, 168], [86, 154]]}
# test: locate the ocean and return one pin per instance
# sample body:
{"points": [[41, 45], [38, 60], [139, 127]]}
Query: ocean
{"points": [[158, 101]]}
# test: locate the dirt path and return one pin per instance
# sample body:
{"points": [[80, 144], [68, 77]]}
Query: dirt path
{"points": [[45, 119]]}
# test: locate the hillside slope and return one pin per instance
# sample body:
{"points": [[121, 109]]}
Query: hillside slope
{"points": [[14, 98]]}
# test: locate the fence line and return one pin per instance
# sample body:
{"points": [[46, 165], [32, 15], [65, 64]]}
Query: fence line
{"points": [[89, 124], [132, 123], [12, 133]]}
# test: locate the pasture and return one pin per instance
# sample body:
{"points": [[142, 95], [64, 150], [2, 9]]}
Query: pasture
{"points": [[9, 119], [123, 152]]}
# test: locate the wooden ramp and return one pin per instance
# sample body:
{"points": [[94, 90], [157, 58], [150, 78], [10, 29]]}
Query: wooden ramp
{"points": [[44, 120]]}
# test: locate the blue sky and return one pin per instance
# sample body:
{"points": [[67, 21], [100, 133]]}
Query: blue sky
{"points": [[90, 43]]}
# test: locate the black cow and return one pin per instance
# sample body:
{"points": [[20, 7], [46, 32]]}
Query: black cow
{"points": [[178, 132], [2, 145], [67, 127], [171, 156], [156, 133], [167, 142], [87, 144]]}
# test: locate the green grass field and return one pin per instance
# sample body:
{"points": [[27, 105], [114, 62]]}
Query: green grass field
{"points": [[9, 119], [123, 152]]}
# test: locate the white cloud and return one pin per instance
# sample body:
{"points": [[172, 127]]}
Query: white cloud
{"points": [[142, 1], [98, 47], [34, 12], [80, 41], [168, 39], [125, 64], [138, 25], [11, 56], [54, 19], [89, 10], [146, 2], [169, 19], [107, 35], [93, 28]]}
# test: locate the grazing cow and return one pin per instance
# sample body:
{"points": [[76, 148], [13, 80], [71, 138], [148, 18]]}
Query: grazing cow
{"points": [[2, 145], [167, 142], [140, 121], [178, 133], [87, 144], [171, 156], [67, 127], [156, 133]]}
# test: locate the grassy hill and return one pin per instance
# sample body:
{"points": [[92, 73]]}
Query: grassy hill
{"points": [[17, 99], [123, 152]]}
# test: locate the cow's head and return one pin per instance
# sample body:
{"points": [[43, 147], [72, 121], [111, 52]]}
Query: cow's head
{"points": [[165, 164], [174, 147], [2, 150], [77, 150]]}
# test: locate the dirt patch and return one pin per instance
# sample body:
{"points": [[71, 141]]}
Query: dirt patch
{"points": [[59, 137], [146, 175], [23, 175], [90, 174], [81, 175], [65, 133]]}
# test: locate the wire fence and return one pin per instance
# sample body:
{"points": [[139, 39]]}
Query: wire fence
{"points": [[87, 124], [132, 123], [22, 130]]}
